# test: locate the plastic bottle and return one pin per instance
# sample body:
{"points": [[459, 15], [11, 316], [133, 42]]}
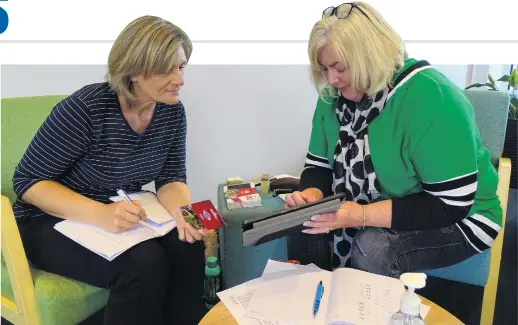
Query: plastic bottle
{"points": [[410, 304], [212, 281]]}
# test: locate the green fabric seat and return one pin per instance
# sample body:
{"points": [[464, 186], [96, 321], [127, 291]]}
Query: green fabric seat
{"points": [[60, 300]]}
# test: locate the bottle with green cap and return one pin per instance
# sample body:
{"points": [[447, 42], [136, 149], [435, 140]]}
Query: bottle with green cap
{"points": [[212, 281]]}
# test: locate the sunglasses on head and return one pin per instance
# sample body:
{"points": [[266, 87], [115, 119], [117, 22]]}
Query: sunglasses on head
{"points": [[342, 11]]}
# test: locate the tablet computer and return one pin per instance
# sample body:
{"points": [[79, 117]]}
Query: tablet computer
{"points": [[279, 224]]}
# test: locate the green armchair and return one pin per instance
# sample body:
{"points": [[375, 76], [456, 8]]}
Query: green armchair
{"points": [[32, 296]]}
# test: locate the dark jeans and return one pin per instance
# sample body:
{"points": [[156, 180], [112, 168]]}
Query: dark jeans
{"points": [[388, 252], [159, 281]]}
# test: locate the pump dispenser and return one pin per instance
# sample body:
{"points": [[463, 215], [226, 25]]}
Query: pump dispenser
{"points": [[410, 304]]}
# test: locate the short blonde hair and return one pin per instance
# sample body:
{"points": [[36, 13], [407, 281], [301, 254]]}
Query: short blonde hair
{"points": [[369, 49], [147, 45]]}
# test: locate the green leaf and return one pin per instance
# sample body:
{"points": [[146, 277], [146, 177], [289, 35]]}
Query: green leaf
{"points": [[475, 85], [491, 86], [504, 78], [478, 85], [491, 80], [513, 78]]}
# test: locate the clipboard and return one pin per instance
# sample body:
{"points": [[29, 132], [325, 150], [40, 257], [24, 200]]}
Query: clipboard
{"points": [[275, 225]]}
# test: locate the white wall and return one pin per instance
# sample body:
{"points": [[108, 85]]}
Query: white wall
{"points": [[242, 120], [37, 80]]}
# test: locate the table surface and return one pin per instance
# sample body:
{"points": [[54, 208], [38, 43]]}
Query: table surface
{"points": [[219, 315]]}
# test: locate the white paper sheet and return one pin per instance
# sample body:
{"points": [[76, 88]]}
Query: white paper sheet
{"points": [[154, 210], [350, 297], [237, 299], [289, 300], [110, 245]]}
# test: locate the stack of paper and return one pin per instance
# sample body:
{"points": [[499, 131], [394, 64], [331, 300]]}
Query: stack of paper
{"points": [[107, 244], [238, 298], [110, 245], [285, 295]]}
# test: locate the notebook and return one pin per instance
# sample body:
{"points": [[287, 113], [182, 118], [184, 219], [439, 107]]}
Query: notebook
{"points": [[351, 297], [237, 298], [159, 222]]}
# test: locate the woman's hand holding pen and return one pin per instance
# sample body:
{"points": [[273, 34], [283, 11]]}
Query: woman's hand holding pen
{"points": [[121, 216]]}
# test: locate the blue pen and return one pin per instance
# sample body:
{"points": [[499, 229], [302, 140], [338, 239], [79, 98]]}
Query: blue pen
{"points": [[318, 297]]}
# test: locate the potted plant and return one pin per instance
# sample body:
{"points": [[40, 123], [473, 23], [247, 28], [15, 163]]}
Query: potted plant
{"points": [[511, 134]]}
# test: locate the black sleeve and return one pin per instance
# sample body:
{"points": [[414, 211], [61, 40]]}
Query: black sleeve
{"points": [[439, 205]]}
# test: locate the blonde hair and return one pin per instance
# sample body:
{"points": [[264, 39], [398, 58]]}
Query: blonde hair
{"points": [[369, 49], [147, 45]]}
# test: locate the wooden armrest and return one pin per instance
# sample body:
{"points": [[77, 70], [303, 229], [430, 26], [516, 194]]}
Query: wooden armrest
{"points": [[489, 299], [23, 309], [504, 181]]}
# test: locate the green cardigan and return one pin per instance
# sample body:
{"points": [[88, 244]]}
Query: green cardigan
{"points": [[425, 139]]}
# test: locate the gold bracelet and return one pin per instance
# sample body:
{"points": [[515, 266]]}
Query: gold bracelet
{"points": [[363, 210]]}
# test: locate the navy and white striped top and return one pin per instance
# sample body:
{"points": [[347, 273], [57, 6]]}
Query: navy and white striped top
{"points": [[87, 145]]}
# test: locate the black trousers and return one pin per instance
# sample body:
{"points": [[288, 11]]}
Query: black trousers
{"points": [[159, 281]]}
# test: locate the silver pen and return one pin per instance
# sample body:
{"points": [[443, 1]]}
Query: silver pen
{"points": [[126, 198]]}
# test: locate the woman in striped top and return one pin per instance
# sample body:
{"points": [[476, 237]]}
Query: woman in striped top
{"points": [[123, 133], [400, 140]]}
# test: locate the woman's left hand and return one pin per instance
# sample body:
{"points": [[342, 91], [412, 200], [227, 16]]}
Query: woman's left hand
{"points": [[187, 233], [350, 214]]}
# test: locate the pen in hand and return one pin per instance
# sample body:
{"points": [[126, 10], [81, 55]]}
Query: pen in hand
{"points": [[318, 297], [126, 198]]}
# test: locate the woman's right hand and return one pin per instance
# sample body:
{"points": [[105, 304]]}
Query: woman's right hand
{"points": [[297, 198], [122, 216]]}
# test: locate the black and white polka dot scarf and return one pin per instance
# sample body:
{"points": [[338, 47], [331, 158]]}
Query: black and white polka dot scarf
{"points": [[353, 171]]}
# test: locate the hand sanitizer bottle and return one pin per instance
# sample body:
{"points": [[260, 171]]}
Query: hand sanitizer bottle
{"points": [[409, 312]]}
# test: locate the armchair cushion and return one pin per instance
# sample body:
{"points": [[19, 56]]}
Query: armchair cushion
{"points": [[474, 270], [60, 300]]}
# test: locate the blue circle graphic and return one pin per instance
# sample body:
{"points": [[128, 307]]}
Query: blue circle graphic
{"points": [[4, 20]]}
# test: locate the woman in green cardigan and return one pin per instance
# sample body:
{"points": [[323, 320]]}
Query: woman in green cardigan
{"points": [[400, 140]]}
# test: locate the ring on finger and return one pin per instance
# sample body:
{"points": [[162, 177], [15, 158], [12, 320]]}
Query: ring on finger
{"points": [[326, 230]]}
